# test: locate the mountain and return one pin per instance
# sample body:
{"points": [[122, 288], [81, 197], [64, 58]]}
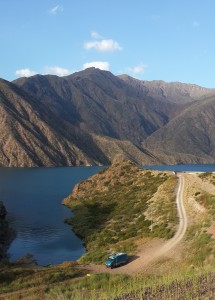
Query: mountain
{"points": [[52, 121], [98, 102], [176, 92], [93, 117], [31, 136], [189, 138]]}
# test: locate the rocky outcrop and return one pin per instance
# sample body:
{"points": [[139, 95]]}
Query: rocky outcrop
{"points": [[6, 233], [3, 211]]}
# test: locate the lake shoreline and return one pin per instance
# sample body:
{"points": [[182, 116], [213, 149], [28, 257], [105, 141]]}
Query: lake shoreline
{"points": [[29, 196]]}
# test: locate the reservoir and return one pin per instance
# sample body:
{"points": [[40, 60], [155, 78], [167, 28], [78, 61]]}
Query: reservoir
{"points": [[33, 198]]}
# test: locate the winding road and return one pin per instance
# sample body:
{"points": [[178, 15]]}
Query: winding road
{"points": [[144, 259], [182, 227]]}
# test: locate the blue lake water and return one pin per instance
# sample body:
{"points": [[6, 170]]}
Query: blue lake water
{"points": [[33, 199]]}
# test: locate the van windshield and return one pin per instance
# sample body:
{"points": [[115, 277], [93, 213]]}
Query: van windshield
{"points": [[110, 258]]}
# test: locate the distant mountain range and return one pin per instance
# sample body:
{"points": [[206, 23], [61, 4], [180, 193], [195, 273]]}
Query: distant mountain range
{"points": [[93, 117]]}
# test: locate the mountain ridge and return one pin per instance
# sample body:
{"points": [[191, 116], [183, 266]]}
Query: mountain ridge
{"points": [[168, 90], [194, 129], [91, 118]]}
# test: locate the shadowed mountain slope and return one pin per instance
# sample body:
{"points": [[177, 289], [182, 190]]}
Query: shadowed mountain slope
{"points": [[188, 138], [175, 92], [29, 138], [91, 117], [83, 119], [99, 102]]}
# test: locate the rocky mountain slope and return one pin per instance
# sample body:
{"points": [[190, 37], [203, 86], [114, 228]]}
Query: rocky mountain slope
{"points": [[188, 138], [98, 102], [31, 136], [92, 117], [175, 92]]}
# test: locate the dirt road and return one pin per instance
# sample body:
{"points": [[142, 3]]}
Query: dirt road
{"points": [[182, 220], [157, 249]]}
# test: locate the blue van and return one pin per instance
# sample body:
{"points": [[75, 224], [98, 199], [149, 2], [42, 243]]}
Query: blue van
{"points": [[116, 259]]}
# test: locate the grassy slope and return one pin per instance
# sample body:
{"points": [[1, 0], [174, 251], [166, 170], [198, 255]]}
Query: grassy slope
{"points": [[21, 276], [202, 245], [182, 285], [64, 282], [117, 206], [183, 282]]}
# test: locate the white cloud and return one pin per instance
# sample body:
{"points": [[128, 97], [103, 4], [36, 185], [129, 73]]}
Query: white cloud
{"points": [[25, 73], [102, 65], [139, 69], [56, 9], [57, 71], [96, 35], [196, 24], [103, 45]]}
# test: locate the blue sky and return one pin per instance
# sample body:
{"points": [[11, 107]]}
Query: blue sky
{"points": [[169, 40]]}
